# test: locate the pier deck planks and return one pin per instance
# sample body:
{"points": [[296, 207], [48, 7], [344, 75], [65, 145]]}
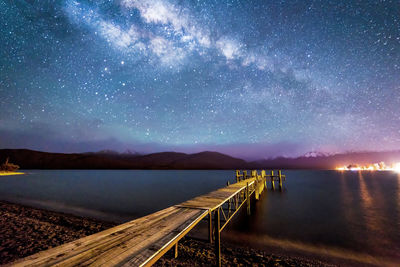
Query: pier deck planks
{"points": [[139, 242]]}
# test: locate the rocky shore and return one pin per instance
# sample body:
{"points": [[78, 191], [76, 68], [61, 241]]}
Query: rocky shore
{"points": [[25, 231], [194, 252]]}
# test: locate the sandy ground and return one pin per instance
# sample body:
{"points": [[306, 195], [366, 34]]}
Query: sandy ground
{"points": [[25, 231]]}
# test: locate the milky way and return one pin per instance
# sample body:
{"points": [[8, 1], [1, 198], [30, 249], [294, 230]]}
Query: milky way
{"points": [[249, 78]]}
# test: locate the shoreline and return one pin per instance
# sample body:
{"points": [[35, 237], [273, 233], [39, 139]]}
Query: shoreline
{"points": [[26, 230], [2, 173]]}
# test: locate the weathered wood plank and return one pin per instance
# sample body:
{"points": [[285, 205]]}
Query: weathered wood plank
{"points": [[123, 251], [57, 254], [134, 240], [216, 198], [156, 250]]}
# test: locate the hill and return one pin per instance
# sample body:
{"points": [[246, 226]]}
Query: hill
{"points": [[30, 159]]}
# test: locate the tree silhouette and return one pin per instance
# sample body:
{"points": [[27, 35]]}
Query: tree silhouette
{"points": [[7, 166]]}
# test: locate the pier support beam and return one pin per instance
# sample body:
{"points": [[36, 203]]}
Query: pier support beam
{"points": [[210, 230], [176, 250], [229, 207], [280, 180], [257, 189], [217, 238], [261, 184], [248, 198], [265, 182], [238, 176], [272, 180], [264, 178]]}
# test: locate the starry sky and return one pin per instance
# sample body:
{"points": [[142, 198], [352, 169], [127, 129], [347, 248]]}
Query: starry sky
{"points": [[252, 79]]}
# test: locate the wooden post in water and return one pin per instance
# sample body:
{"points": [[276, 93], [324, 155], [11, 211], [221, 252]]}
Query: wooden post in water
{"points": [[264, 176], [176, 250], [256, 191], [210, 231], [261, 182], [217, 238], [272, 180], [280, 180], [238, 176], [248, 198], [229, 201], [244, 175]]}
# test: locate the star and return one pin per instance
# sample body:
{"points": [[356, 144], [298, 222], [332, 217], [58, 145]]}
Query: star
{"points": [[200, 75]]}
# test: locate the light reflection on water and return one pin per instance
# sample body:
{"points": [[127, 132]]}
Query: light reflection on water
{"points": [[352, 215], [338, 213]]}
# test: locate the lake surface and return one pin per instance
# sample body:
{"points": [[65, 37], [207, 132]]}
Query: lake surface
{"points": [[353, 215]]}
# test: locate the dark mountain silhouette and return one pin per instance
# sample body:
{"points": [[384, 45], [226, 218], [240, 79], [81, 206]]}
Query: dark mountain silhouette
{"points": [[30, 159], [209, 160]]}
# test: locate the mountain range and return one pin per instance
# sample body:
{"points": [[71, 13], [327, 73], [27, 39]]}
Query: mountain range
{"points": [[30, 159]]}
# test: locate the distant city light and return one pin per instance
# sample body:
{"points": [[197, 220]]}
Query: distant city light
{"points": [[381, 166]]}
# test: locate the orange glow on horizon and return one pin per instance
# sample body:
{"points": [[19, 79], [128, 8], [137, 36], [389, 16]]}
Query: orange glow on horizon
{"points": [[381, 166]]}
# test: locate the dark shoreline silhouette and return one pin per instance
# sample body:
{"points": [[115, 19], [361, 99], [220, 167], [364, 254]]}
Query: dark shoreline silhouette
{"points": [[30, 159]]}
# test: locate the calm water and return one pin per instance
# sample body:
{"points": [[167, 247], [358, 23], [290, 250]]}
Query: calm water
{"points": [[351, 215]]}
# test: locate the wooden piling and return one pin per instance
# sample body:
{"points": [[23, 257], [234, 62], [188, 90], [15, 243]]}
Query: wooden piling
{"points": [[238, 176], [229, 207], [217, 238], [261, 184], [265, 182], [229, 201], [248, 198], [244, 175], [257, 189], [176, 250], [280, 180], [272, 180], [210, 231]]}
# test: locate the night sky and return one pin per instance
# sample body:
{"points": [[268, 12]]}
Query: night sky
{"points": [[249, 78]]}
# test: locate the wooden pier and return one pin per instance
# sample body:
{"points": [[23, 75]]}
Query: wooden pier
{"points": [[143, 241]]}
